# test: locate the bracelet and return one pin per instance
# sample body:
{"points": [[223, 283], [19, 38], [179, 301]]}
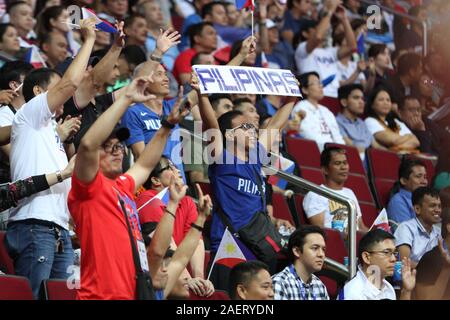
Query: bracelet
{"points": [[171, 213], [196, 226], [155, 58], [166, 123], [59, 176]]}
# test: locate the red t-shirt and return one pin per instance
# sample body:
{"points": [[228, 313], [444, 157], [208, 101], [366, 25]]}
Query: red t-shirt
{"points": [[107, 266], [186, 213], [183, 63]]}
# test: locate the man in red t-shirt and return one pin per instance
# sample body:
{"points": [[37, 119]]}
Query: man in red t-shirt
{"points": [[100, 190], [203, 38], [150, 213]]}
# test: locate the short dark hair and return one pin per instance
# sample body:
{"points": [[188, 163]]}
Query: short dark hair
{"points": [[402, 103], [345, 91], [196, 30], [14, 4], [376, 49], [134, 54], [303, 79], [38, 77], [196, 59], [327, 154], [407, 62], [297, 238], [406, 167], [421, 192], [307, 24], [215, 98], [239, 101], [156, 172], [130, 19], [11, 71], [244, 273], [225, 121], [370, 239], [3, 28], [208, 8]]}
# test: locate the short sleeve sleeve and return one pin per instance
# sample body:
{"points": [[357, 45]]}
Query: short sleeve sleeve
{"points": [[313, 204], [131, 121], [301, 51], [403, 235], [151, 212], [86, 191], [373, 125], [36, 111], [404, 130]]}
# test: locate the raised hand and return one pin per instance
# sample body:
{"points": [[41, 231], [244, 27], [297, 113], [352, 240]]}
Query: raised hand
{"points": [[67, 172], [444, 253], [177, 191], [88, 29], [177, 114], [119, 36], [69, 127], [6, 96], [248, 46], [204, 202], [137, 89], [194, 82], [167, 39], [408, 275]]}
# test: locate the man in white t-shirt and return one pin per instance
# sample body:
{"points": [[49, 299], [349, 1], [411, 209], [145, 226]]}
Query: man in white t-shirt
{"points": [[37, 237], [319, 124], [312, 54], [320, 210]]}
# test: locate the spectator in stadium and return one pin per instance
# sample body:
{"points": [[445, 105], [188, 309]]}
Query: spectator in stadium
{"points": [[307, 254], [322, 211], [273, 36], [406, 80], [298, 11], [130, 57], [135, 28], [250, 280], [9, 44], [203, 58], [248, 109], [55, 46], [417, 236], [21, 17], [319, 124], [45, 93], [377, 256], [56, 18], [103, 41], [235, 17], [390, 133], [114, 10], [353, 129], [98, 185], [378, 66], [186, 212], [352, 7], [151, 10], [189, 21], [203, 38], [312, 54], [412, 174], [433, 270], [170, 277], [410, 36]]}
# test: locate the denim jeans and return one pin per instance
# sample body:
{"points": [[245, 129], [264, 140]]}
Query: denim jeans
{"points": [[33, 249]]}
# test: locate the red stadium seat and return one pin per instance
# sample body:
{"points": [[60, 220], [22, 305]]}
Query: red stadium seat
{"points": [[354, 160], [15, 288], [359, 185], [305, 152], [299, 206], [369, 213], [217, 295], [331, 285], [281, 208], [335, 245], [382, 189], [55, 289], [383, 164], [6, 263], [332, 104], [313, 175]]}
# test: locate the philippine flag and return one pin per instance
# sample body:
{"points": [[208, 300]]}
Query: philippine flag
{"points": [[34, 58], [382, 222], [163, 196], [100, 24], [285, 165], [231, 252], [264, 61], [242, 4], [361, 45]]}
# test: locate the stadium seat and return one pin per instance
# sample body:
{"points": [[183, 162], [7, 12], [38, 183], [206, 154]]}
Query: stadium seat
{"points": [[382, 164], [369, 213], [331, 285], [217, 295], [353, 158], [336, 249], [15, 288], [382, 189], [313, 175], [55, 289], [332, 104], [305, 152], [360, 186], [281, 208], [6, 263], [299, 206]]}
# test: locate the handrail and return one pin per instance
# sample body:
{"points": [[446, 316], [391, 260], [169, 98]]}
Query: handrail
{"points": [[407, 16], [300, 182]]}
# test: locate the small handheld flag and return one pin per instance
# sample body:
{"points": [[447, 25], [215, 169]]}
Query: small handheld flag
{"points": [[285, 165], [34, 58], [163, 195], [382, 222], [360, 45], [242, 4], [100, 24]]}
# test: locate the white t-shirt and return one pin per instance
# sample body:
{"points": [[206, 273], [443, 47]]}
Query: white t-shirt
{"points": [[321, 60], [37, 149], [375, 126], [360, 288], [313, 204], [345, 72], [319, 124], [6, 116]]}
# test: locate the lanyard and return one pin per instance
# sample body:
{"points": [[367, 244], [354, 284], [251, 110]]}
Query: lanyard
{"points": [[300, 285]]}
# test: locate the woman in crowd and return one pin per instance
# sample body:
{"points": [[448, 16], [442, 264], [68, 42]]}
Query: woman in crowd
{"points": [[9, 43]]}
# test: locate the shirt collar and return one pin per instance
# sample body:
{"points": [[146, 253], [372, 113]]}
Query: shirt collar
{"points": [[422, 229], [369, 289]]}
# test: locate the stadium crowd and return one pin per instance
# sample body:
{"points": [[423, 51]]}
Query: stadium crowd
{"points": [[104, 168]]}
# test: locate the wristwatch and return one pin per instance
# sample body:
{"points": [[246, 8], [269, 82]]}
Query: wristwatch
{"points": [[59, 176], [156, 58], [196, 226], [166, 123]]}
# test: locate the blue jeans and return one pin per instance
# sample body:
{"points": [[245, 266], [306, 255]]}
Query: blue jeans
{"points": [[33, 249]]}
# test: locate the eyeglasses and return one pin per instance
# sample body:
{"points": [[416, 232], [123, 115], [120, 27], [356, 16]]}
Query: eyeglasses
{"points": [[314, 83], [245, 126], [387, 253], [429, 82], [114, 148], [170, 165]]}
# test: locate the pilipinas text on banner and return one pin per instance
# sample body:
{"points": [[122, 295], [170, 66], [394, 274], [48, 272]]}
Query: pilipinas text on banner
{"points": [[227, 79]]}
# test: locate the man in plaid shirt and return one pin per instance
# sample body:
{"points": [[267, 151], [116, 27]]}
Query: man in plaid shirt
{"points": [[297, 281]]}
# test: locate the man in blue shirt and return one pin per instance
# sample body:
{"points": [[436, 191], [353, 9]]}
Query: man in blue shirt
{"points": [[412, 175], [352, 127]]}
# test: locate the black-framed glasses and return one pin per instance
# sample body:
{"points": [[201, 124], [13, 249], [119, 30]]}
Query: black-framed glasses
{"points": [[113, 148], [387, 253], [169, 165], [245, 126]]}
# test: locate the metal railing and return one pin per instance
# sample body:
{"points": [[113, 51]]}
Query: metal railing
{"points": [[406, 16], [305, 184]]}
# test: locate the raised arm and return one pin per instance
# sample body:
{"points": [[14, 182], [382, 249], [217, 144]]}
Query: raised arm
{"points": [[69, 83], [248, 47], [351, 46], [317, 38], [87, 163]]}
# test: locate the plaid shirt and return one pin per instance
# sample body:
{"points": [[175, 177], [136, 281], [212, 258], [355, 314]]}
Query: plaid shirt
{"points": [[289, 286]]}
